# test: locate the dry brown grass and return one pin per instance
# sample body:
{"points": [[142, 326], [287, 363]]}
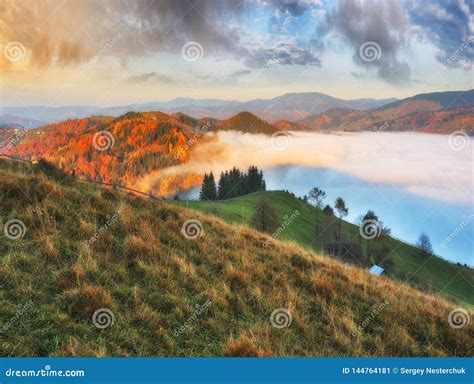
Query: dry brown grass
{"points": [[244, 346], [152, 278], [85, 300]]}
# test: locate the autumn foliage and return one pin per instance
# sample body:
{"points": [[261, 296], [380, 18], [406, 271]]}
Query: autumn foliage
{"points": [[142, 143]]}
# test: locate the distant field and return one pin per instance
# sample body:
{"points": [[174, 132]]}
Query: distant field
{"points": [[449, 280]]}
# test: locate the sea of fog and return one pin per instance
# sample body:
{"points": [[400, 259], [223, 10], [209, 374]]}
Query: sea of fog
{"points": [[414, 182]]}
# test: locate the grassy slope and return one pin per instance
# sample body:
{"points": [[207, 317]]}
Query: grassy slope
{"points": [[447, 279], [151, 277]]}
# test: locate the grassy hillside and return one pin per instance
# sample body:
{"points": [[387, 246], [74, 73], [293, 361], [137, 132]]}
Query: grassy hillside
{"points": [[85, 249], [437, 275]]}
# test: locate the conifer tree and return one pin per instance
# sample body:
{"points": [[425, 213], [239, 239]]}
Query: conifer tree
{"points": [[208, 188]]}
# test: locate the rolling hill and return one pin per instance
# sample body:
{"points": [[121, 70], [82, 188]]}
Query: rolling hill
{"points": [[441, 112], [407, 264], [8, 121], [246, 122], [164, 291]]}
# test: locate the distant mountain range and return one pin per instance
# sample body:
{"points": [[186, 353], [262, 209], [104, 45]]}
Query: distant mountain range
{"points": [[8, 121], [441, 112], [149, 141], [292, 106]]}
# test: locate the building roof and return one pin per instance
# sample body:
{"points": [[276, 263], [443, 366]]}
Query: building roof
{"points": [[376, 270]]}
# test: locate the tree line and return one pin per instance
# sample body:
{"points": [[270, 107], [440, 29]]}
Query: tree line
{"points": [[232, 183]]}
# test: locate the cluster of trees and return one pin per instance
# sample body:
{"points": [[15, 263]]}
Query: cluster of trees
{"points": [[232, 184]]}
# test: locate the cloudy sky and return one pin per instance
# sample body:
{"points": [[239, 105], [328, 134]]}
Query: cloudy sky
{"points": [[110, 52]]}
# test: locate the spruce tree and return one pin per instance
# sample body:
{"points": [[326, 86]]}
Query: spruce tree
{"points": [[208, 188], [202, 193], [222, 190], [212, 190]]}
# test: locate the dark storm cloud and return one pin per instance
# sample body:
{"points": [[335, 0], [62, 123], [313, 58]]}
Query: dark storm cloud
{"points": [[372, 21], [168, 25], [74, 32], [449, 26]]}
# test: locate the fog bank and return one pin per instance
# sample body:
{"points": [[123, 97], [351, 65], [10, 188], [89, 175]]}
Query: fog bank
{"points": [[422, 164]]}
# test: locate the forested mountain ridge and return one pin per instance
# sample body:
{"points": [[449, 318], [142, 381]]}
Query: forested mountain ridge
{"points": [[109, 149], [441, 112], [125, 148]]}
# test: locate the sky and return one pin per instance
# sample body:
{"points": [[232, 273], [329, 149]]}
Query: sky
{"points": [[115, 52]]}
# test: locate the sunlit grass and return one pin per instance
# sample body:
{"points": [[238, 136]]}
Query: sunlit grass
{"points": [[152, 278]]}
